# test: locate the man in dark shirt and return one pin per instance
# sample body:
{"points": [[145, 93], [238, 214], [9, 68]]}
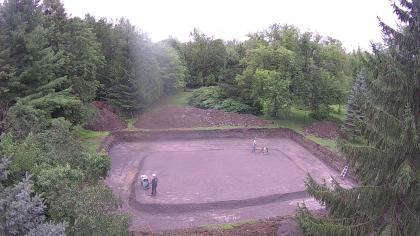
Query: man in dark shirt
{"points": [[154, 184]]}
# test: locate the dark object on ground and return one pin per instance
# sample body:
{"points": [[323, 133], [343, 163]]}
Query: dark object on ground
{"points": [[105, 119], [188, 117], [323, 129], [154, 185]]}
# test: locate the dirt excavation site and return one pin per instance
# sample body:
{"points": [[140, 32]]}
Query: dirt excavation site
{"points": [[213, 177]]}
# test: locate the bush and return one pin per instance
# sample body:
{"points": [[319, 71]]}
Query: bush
{"points": [[213, 98]]}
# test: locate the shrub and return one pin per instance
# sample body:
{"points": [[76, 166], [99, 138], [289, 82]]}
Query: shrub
{"points": [[213, 98]]}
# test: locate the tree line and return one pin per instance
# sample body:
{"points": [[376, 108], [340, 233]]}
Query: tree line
{"points": [[273, 70]]}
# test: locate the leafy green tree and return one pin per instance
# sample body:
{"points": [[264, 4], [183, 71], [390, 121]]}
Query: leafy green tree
{"points": [[320, 80], [235, 53], [205, 59], [173, 72], [273, 92], [97, 213], [355, 113], [387, 202]]}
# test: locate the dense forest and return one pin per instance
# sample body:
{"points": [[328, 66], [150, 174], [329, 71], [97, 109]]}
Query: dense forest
{"points": [[52, 66], [270, 72]]}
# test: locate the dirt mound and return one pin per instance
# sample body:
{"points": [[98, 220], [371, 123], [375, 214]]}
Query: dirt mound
{"points": [[323, 129], [105, 119], [188, 117]]}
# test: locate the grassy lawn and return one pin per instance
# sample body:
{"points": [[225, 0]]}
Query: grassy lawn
{"points": [[329, 143], [296, 120], [91, 140], [228, 225]]}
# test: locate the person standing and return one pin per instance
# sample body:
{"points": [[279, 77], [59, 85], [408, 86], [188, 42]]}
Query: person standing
{"points": [[254, 144], [154, 184]]}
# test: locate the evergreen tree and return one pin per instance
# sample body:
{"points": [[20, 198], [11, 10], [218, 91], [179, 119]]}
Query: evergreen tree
{"points": [[354, 118], [31, 70], [21, 213], [387, 163]]}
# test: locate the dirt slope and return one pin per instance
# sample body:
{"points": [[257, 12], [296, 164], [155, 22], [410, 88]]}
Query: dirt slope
{"points": [[189, 117], [323, 129]]}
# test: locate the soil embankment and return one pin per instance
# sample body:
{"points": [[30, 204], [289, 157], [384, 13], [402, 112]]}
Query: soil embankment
{"points": [[188, 117], [106, 118]]}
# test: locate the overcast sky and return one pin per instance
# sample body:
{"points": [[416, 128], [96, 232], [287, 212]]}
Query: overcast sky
{"points": [[354, 22]]}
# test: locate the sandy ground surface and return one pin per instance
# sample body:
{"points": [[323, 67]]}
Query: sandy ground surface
{"points": [[212, 181]]}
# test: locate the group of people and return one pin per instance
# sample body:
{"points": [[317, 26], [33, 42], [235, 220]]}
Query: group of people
{"points": [[263, 150], [146, 185]]}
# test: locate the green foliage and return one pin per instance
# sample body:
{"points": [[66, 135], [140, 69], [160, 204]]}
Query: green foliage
{"points": [[283, 67], [91, 140], [62, 171], [172, 69], [213, 98], [24, 156], [205, 58], [353, 122], [22, 212], [96, 211], [386, 159], [136, 72], [96, 165], [273, 91]]}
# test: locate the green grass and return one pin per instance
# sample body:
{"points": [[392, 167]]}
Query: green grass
{"points": [[299, 118], [92, 140], [130, 123], [329, 143], [227, 226], [296, 120], [338, 112]]}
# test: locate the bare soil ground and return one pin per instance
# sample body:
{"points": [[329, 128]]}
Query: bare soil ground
{"points": [[323, 129], [188, 117], [106, 119], [213, 181]]}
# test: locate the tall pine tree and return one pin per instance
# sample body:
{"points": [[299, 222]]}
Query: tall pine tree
{"points": [[387, 202], [355, 115]]}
